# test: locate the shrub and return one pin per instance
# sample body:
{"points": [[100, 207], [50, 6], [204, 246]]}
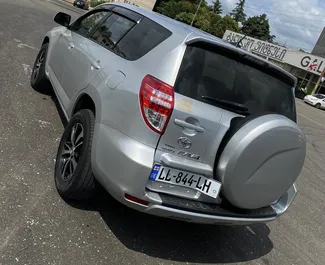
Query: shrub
{"points": [[94, 3]]}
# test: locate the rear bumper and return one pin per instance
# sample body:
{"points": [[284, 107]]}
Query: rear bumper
{"points": [[123, 165]]}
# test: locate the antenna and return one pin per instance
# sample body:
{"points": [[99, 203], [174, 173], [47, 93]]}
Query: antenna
{"points": [[239, 42]]}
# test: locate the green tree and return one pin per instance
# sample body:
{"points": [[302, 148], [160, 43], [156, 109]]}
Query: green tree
{"points": [[227, 22], [238, 13], [185, 17], [173, 8], [206, 18], [94, 3], [217, 7], [258, 27]]}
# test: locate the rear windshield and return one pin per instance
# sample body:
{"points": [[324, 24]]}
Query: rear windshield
{"points": [[216, 76]]}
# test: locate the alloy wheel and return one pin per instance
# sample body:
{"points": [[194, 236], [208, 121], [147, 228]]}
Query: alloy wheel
{"points": [[71, 151], [38, 65]]}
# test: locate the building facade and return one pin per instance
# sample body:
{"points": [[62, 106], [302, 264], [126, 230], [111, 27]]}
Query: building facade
{"points": [[308, 68]]}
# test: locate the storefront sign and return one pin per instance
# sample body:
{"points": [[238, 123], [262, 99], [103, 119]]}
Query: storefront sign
{"points": [[305, 61], [257, 46], [296, 58]]}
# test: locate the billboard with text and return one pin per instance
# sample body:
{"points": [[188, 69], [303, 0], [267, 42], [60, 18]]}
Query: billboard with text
{"points": [[305, 61]]}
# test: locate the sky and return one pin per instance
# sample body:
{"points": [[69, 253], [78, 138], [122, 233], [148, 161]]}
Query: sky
{"points": [[296, 23]]}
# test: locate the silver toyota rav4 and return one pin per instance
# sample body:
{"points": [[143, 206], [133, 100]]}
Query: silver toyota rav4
{"points": [[170, 120]]}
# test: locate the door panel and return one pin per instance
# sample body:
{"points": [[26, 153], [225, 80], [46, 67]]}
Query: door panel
{"points": [[73, 74], [90, 59], [62, 51], [92, 54], [79, 71], [71, 53]]}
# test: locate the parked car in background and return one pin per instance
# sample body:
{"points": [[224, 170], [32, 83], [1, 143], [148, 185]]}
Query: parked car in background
{"points": [[316, 100], [81, 4], [300, 93], [171, 121]]}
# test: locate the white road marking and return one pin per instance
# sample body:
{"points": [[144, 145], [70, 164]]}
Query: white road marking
{"points": [[44, 122], [311, 120], [27, 69], [22, 45]]}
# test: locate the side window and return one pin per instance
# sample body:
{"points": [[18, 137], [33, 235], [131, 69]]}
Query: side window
{"points": [[141, 39], [112, 30], [85, 25]]}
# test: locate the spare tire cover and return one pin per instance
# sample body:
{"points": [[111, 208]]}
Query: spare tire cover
{"points": [[261, 161]]}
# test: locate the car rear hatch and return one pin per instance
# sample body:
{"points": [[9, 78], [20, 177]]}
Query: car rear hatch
{"points": [[215, 84]]}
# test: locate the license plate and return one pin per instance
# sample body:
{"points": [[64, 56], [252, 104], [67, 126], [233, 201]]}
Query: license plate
{"points": [[185, 179]]}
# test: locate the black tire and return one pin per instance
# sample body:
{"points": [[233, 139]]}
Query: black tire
{"points": [[38, 79], [317, 106], [81, 184]]}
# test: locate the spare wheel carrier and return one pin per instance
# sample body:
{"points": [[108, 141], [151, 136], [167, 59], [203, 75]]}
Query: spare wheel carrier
{"points": [[261, 158]]}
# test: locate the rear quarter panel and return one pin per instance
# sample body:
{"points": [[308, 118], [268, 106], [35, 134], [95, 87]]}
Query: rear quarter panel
{"points": [[120, 106]]}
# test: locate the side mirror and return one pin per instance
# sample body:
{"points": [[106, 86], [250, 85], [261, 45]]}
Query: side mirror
{"points": [[62, 19]]}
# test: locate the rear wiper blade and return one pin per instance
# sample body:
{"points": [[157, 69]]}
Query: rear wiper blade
{"points": [[231, 104]]}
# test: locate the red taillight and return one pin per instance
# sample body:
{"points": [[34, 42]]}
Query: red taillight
{"points": [[135, 199], [156, 103]]}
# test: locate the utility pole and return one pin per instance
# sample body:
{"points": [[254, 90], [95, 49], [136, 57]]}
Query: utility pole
{"points": [[197, 10], [319, 81]]}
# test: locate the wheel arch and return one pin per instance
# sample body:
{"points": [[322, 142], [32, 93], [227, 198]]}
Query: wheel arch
{"points": [[46, 40], [318, 105], [84, 101]]}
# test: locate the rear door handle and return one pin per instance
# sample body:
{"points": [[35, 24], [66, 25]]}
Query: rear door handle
{"points": [[96, 65], [71, 45], [190, 126]]}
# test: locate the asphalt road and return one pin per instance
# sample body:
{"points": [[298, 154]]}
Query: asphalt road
{"points": [[38, 227]]}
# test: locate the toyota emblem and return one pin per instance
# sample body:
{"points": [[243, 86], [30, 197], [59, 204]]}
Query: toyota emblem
{"points": [[184, 142]]}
